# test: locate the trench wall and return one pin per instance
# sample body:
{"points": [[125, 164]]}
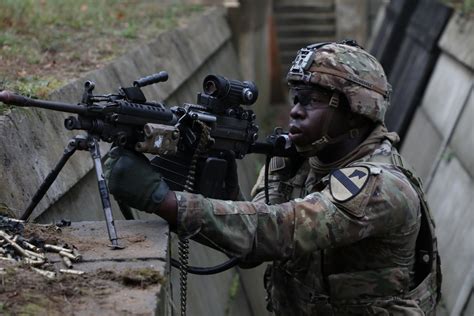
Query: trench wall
{"points": [[32, 141], [440, 145]]}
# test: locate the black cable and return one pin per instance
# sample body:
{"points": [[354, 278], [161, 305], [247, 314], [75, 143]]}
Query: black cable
{"points": [[208, 270], [267, 166]]}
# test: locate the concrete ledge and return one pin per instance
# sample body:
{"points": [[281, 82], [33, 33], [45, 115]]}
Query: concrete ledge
{"points": [[146, 247], [130, 281]]}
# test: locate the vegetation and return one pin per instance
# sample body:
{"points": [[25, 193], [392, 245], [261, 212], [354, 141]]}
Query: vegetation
{"points": [[233, 291], [465, 7], [45, 43]]}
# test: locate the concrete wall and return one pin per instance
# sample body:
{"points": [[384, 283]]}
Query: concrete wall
{"points": [[440, 145], [33, 140], [250, 30], [352, 16], [356, 19]]}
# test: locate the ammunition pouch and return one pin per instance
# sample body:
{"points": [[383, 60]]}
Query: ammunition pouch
{"points": [[425, 294]]}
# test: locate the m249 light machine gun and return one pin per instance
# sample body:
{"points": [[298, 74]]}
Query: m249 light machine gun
{"points": [[201, 136], [193, 143]]}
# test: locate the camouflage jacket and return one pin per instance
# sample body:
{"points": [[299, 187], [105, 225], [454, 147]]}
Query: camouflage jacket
{"points": [[341, 243]]}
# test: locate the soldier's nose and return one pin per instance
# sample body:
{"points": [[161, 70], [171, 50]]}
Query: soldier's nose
{"points": [[297, 111]]}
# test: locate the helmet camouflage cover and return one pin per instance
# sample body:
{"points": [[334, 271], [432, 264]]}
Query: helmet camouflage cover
{"points": [[347, 68]]}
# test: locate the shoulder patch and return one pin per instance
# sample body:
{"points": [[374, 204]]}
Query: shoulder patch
{"points": [[277, 163], [346, 183]]}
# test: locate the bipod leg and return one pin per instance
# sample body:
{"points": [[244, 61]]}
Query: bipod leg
{"points": [[68, 152], [104, 193]]}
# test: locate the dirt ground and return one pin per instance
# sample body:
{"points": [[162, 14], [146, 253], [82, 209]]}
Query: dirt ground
{"points": [[22, 290]]}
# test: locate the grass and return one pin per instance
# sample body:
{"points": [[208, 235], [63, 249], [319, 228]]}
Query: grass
{"points": [[233, 291], [45, 43], [465, 7]]}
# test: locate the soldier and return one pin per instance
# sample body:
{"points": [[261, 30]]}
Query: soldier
{"points": [[347, 226]]}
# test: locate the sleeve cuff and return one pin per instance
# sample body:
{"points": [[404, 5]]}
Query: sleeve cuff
{"points": [[190, 213]]}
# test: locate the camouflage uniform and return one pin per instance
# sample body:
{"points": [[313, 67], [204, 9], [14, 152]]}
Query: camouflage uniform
{"points": [[343, 237]]}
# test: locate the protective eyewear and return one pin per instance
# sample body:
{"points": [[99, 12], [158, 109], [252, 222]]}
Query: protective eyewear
{"points": [[309, 99]]}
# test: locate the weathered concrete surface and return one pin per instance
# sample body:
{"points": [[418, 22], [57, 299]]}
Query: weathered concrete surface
{"points": [[449, 84], [217, 294], [439, 115], [80, 203], [142, 241], [463, 136], [144, 249], [351, 22], [440, 145], [31, 143], [423, 132], [249, 25], [451, 199], [297, 23], [252, 283], [457, 39]]}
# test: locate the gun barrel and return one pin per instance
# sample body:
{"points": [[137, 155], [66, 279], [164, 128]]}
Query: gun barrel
{"points": [[11, 98]]}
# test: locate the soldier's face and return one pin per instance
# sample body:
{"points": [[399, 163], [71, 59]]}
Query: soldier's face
{"points": [[310, 109]]}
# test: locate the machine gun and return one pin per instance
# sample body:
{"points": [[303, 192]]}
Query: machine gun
{"points": [[192, 142]]}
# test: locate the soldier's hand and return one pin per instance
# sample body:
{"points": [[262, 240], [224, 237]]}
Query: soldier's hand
{"points": [[133, 180]]}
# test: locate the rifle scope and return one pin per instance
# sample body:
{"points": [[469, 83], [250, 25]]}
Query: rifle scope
{"points": [[232, 92]]}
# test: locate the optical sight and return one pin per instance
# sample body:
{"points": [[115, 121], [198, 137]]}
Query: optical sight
{"points": [[230, 92]]}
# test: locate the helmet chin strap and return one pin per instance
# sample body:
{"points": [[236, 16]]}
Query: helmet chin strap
{"points": [[320, 144]]}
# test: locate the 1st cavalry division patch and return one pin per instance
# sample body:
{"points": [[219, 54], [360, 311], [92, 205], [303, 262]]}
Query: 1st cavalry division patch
{"points": [[346, 183]]}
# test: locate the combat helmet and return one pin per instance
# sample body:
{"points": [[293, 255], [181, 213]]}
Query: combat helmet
{"points": [[347, 68]]}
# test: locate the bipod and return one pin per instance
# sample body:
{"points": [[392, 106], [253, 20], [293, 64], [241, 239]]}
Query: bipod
{"points": [[80, 142]]}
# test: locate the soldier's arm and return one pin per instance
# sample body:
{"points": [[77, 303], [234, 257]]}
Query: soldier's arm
{"points": [[267, 232]]}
